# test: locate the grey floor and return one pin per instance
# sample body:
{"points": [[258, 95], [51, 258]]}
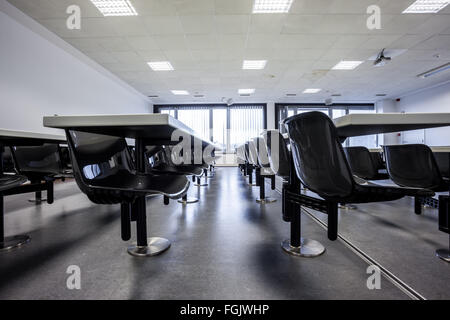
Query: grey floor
{"points": [[225, 247]]}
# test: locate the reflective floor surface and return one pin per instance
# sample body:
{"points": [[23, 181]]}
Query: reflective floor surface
{"points": [[226, 246]]}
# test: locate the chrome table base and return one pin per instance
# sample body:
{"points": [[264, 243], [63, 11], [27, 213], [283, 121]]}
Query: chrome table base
{"points": [[201, 184], [10, 243], [443, 254], [155, 247], [348, 207], [188, 201], [308, 248], [266, 200]]}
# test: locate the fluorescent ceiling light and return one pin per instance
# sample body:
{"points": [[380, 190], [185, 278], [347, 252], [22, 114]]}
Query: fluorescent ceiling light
{"points": [[347, 65], [312, 90], [254, 64], [246, 91], [115, 7], [434, 71], [161, 66], [180, 92], [427, 6], [272, 6]]}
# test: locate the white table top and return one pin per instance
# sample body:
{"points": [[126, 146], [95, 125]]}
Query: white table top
{"points": [[373, 123], [434, 149], [22, 137], [150, 126]]}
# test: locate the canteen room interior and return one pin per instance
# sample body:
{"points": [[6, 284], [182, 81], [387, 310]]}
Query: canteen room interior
{"points": [[224, 150]]}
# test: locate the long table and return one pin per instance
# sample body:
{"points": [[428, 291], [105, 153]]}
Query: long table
{"points": [[12, 138], [146, 129], [354, 125]]}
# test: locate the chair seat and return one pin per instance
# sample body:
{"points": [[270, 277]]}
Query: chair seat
{"points": [[267, 171], [11, 181], [138, 184], [179, 170], [371, 192], [381, 176]]}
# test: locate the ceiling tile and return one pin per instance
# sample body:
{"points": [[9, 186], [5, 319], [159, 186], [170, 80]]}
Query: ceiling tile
{"points": [[187, 7], [198, 24], [232, 24], [233, 6], [144, 43], [163, 25], [170, 42]]}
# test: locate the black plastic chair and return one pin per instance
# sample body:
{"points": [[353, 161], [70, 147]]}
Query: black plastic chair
{"points": [[66, 163], [263, 170], [8, 161], [39, 164], [278, 152], [414, 165], [321, 165], [8, 182], [160, 160], [280, 162], [443, 162], [364, 164], [250, 151], [104, 171]]}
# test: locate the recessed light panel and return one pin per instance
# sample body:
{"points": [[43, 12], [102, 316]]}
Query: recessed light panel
{"points": [[254, 64], [312, 90], [246, 91], [115, 8], [347, 65], [427, 6], [272, 6], [161, 66], [180, 92]]}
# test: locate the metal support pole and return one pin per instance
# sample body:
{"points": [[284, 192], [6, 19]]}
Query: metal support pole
{"points": [[125, 221], [8, 243], [151, 246]]}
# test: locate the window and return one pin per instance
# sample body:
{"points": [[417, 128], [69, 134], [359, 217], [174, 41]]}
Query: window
{"points": [[220, 127], [197, 119], [245, 123], [366, 141], [226, 126], [337, 113], [334, 111], [170, 112]]}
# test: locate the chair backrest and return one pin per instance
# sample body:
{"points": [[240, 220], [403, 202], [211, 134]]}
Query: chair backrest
{"points": [[252, 153], [377, 159], [240, 154], [361, 162], [246, 152], [319, 159], [412, 165], [97, 157], [262, 153], [279, 155], [8, 161], [65, 157], [38, 160], [443, 162]]}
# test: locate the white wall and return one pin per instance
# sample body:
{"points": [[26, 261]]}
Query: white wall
{"points": [[39, 77], [436, 99]]}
